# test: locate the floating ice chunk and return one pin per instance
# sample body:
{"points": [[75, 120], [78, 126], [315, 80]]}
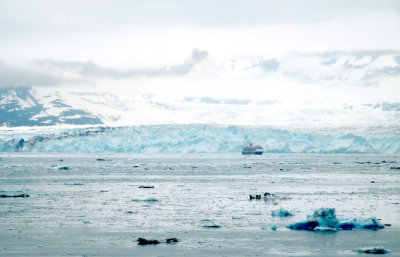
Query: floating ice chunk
{"points": [[151, 200], [308, 225], [146, 187], [211, 226], [325, 219], [373, 250], [14, 196], [143, 241], [236, 218], [370, 223], [281, 213], [171, 240], [322, 219]]}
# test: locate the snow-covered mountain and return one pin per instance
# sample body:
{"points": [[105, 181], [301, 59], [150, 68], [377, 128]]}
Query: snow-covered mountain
{"points": [[23, 106]]}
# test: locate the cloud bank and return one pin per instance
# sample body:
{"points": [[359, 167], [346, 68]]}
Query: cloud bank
{"points": [[90, 69]]}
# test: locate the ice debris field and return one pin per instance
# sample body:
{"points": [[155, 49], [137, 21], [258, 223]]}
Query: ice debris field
{"points": [[199, 204]]}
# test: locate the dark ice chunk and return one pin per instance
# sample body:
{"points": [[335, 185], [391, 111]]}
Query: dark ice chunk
{"points": [[308, 225], [143, 241]]}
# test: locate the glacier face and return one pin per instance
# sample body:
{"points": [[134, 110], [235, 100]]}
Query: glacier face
{"points": [[198, 139]]}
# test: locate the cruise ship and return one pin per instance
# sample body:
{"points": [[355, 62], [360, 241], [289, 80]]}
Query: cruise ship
{"points": [[253, 149]]}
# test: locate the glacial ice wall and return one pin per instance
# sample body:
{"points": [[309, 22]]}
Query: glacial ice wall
{"points": [[197, 139]]}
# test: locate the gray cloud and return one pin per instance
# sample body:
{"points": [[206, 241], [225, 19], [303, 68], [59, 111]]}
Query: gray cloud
{"points": [[397, 59], [328, 61], [89, 69], [266, 65], [349, 65], [10, 76], [23, 21], [354, 53], [269, 65], [387, 71], [348, 62], [89, 15]]}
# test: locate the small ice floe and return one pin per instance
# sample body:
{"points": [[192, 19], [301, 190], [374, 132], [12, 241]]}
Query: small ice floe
{"points": [[325, 219], [14, 196], [273, 228], [236, 218], [171, 240], [211, 226], [268, 197], [143, 241], [149, 200], [64, 168], [146, 187], [255, 197], [281, 213], [373, 250]]}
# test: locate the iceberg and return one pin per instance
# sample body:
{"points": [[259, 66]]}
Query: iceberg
{"points": [[281, 213], [325, 219], [373, 250]]}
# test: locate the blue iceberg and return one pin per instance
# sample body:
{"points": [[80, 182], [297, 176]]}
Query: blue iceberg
{"points": [[325, 219], [281, 213]]}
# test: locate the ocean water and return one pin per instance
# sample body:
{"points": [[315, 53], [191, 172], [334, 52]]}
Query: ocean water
{"points": [[95, 206]]}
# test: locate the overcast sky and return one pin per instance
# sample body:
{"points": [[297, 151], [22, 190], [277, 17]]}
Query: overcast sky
{"points": [[295, 50]]}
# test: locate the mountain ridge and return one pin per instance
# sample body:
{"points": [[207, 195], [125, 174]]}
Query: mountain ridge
{"points": [[19, 107]]}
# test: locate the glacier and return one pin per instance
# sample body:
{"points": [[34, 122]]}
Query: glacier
{"points": [[198, 139]]}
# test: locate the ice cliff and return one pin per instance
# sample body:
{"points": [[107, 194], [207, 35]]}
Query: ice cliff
{"points": [[196, 139]]}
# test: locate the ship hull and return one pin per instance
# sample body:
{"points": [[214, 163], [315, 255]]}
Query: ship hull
{"points": [[252, 153]]}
